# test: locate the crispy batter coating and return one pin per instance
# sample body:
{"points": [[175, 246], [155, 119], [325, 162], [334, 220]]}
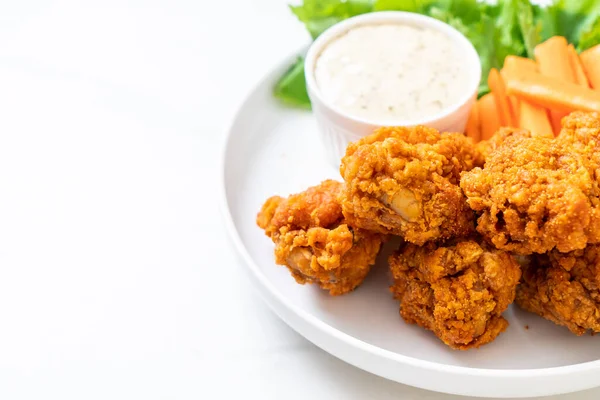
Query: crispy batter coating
{"points": [[459, 290], [312, 239], [404, 181], [487, 147], [533, 195], [317, 206], [581, 133], [564, 288], [581, 129]]}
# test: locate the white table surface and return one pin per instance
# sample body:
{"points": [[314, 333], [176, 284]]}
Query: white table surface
{"points": [[117, 280]]}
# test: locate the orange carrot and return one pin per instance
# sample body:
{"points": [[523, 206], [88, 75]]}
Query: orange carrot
{"points": [[514, 106], [530, 116], [556, 120], [553, 94], [535, 120], [516, 63], [473, 129], [591, 64], [554, 61], [505, 112], [580, 77], [488, 116]]}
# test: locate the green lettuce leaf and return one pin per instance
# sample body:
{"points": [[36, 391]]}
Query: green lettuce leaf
{"points": [[530, 28], [568, 18], [589, 37], [416, 6], [291, 87], [319, 15]]}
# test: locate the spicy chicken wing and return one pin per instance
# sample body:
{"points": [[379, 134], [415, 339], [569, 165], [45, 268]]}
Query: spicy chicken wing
{"points": [[580, 130], [313, 240], [581, 133], [487, 147], [533, 195], [404, 181], [459, 290], [564, 288]]}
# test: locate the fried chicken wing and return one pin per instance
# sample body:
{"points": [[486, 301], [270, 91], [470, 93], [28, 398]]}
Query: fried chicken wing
{"points": [[404, 181], [487, 147], [581, 129], [458, 290], [564, 288], [581, 133], [314, 241], [535, 194]]}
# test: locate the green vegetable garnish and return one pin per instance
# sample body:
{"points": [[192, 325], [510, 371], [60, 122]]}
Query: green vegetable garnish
{"points": [[291, 87], [496, 30], [590, 36], [318, 15]]}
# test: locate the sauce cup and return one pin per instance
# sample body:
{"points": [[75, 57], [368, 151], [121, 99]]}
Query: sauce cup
{"points": [[338, 127]]}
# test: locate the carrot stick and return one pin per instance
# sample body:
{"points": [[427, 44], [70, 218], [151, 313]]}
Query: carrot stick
{"points": [[580, 77], [591, 64], [556, 120], [554, 61], [515, 106], [553, 94], [505, 112], [473, 129], [516, 63], [530, 116], [535, 120], [488, 116]]}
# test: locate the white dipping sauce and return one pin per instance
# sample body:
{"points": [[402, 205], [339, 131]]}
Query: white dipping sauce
{"points": [[391, 72]]}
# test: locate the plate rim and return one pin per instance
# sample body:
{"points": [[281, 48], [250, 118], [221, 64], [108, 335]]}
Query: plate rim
{"points": [[327, 329]]}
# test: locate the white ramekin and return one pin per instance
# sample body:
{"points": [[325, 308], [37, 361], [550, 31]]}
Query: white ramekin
{"points": [[339, 128]]}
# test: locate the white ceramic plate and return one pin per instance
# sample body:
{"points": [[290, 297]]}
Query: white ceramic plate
{"points": [[274, 150]]}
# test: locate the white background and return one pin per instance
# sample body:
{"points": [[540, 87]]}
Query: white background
{"points": [[117, 280]]}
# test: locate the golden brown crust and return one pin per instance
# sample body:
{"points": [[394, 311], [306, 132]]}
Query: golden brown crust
{"points": [[404, 181], [487, 147], [312, 239], [581, 133], [534, 195], [564, 288], [317, 206], [459, 291], [581, 128]]}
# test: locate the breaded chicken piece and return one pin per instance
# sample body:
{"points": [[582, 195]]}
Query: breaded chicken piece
{"points": [[486, 147], [581, 132], [534, 195], [458, 290], [564, 288], [404, 181], [581, 129], [313, 240]]}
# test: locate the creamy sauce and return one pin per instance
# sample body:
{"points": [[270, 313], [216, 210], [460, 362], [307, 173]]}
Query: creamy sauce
{"points": [[391, 72]]}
